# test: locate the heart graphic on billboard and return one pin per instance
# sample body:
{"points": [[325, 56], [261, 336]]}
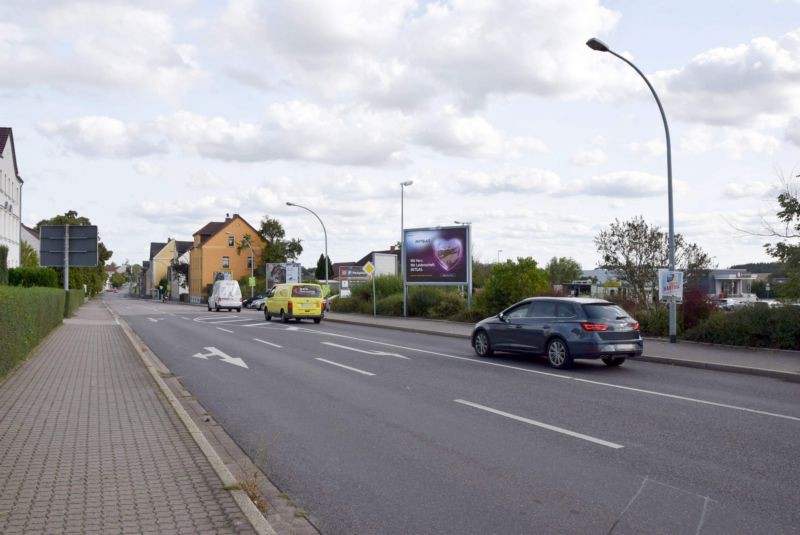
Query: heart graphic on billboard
{"points": [[448, 253]]}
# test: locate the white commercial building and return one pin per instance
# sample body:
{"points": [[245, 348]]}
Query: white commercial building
{"points": [[10, 197]]}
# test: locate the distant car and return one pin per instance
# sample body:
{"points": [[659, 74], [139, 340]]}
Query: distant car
{"points": [[563, 329], [247, 302], [728, 304], [258, 303], [225, 294]]}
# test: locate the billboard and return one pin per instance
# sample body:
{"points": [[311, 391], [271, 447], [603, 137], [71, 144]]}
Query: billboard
{"points": [[438, 255], [285, 273], [385, 264], [670, 286], [354, 274]]}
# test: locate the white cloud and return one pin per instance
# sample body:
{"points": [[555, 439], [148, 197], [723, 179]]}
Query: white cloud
{"points": [[96, 136], [99, 44], [753, 83], [529, 180], [622, 184], [793, 131], [652, 148], [147, 168], [734, 142], [472, 136], [589, 157], [752, 189], [205, 179]]}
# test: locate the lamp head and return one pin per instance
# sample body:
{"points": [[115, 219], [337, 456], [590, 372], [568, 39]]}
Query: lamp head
{"points": [[597, 44], [407, 183], [289, 203]]}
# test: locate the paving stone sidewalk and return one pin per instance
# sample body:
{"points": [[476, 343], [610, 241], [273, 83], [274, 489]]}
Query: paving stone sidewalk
{"points": [[88, 444]]}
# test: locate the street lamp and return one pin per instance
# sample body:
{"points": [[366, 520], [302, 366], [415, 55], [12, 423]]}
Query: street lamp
{"points": [[325, 232], [402, 247], [600, 46], [463, 223], [246, 241]]}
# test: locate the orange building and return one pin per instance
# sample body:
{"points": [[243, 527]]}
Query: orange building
{"points": [[214, 252]]}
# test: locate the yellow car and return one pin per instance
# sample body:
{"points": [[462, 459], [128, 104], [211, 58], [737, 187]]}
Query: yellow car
{"points": [[295, 301]]}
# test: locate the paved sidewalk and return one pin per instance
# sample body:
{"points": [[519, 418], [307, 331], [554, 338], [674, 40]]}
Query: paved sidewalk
{"points": [[89, 444], [773, 363]]}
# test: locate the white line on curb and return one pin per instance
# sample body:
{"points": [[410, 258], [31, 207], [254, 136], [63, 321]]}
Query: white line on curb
{"points": [[345, 367], [268, 343], [542, 425]]}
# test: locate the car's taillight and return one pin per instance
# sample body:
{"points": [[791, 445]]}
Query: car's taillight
{"points": [[594, 327], [290, 307], [635, 326]]}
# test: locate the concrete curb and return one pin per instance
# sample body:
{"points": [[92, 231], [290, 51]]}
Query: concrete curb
{"points": [[250, 511], [733, 368]]}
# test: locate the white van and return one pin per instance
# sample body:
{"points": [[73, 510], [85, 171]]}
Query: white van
{"points": [[226, 294]]}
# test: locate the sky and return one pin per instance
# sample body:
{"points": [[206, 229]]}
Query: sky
{"points": [[153, 118]]}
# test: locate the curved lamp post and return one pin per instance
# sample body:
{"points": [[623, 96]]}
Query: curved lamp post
{"points": [[600, 46], [402, 247], [325, 232]]}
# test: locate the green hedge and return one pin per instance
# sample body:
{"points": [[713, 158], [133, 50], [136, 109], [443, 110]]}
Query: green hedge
{"points": [[40, 276], [73, 301], [753, 326], [27, 315]]}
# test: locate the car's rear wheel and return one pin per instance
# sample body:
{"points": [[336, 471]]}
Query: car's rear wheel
{"points": [[558, 354], [267, 315], [613, 361], [239, 309], [284, 319], [482, 345], [317, 320]]}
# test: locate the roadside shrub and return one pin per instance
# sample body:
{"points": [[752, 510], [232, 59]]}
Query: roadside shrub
{"points": [[27, 315], [351, 304], [391, 305], [28, 276], [450, 305], [3, 265], [387, 285], [653, 321], [511, 282], [753, 326], [72, 302], [696, 307], [422, 299]]}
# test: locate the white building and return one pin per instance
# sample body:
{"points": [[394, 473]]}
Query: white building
{"points": [[10, 197]]}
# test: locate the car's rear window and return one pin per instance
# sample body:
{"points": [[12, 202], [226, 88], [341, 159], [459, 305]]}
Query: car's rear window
{"points": [[603, 311], [228, 291], [306, 291]]}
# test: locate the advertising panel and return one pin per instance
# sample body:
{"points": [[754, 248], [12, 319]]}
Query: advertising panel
{"points": [[385, 264], [670, 286], [353, 274], [436, 255], [285, 273]]}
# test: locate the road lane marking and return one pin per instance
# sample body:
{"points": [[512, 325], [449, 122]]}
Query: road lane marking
{"points": [[223, 357], [367, 352], [542, 425], [262, 324], [187, 319], [694, 400], [559, 376], [226, 330], [268, 343], [345, 367]]}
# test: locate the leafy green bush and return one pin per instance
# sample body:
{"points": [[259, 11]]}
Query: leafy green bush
{"points": [[3, 265], [27, 315], [450, 305], [387, 285], [753, 326], [391, 305], [72, 302], [422, 299], [39, 276], [511, 282], [653, 321], [351, 304]]}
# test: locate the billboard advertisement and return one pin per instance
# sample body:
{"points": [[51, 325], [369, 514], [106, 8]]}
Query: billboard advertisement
{"points": [[670, 286], [354, 274], [436, 255], [286, 273]]}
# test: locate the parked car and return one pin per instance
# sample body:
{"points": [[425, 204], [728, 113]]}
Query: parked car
{"points": [[728, 304], [258, 303], [225, 294], [248, 302], [295, 301], [563, 329]]}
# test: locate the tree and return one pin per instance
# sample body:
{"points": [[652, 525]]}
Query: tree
{"points": [[510, 282], [787, 252], [117, 280], [635, 251], [3, 265], [319, 273], [278, 249], [563, 270], [28, 257]]}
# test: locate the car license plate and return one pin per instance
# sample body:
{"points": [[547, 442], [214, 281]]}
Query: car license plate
{"points": [[627, 347], [308, 306]]}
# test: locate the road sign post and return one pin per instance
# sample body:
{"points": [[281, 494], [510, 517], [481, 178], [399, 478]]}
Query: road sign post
{"points": [[68, 246], [369, 269]]}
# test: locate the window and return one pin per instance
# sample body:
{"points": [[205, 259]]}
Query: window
{"points": [[518, 312], [306, 291], [566, 310], [249, 262], [604, 312], [226, 262], [543, 309], [230, 240]]}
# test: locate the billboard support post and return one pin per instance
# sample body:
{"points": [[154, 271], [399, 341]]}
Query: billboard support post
{"points": [[469, 267], [66, 257]]}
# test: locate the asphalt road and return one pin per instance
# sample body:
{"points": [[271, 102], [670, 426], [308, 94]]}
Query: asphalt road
{"points": [[379, 431]]}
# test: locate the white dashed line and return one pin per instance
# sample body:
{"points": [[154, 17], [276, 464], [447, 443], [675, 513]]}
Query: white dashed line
{"points": [[226, 330], [268, 343], [345, 367]]}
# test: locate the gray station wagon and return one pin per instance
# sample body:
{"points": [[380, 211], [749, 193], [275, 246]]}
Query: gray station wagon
{"points": [[563, 329]]}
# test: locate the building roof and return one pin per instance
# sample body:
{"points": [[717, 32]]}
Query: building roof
{"points": [[368, 257], [155, 247], [209, 230], [183, 246], [5, 136]]}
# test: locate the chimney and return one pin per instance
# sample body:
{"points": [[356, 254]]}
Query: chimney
{"points": [[392, 247]]}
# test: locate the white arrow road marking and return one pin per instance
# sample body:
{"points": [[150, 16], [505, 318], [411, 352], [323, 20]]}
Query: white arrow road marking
{"points": [[367, 352], [345, 367], [268, 343], [292, 328], [214, 352], [154, 320], [542, 425]]}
